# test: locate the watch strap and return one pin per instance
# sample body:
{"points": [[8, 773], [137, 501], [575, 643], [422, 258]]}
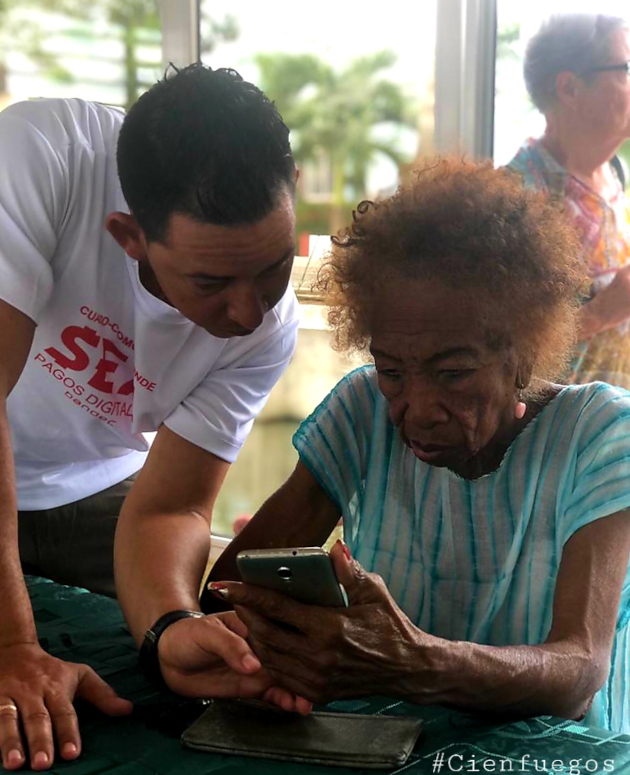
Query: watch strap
{"points": [[148, 654]]}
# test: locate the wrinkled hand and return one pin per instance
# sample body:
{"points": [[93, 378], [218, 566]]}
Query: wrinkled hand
{"points": [[210, 657], [331, 653], [37, 692]]}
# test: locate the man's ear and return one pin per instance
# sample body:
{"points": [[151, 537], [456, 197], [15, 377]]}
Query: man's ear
{"points": [[128, 234]]}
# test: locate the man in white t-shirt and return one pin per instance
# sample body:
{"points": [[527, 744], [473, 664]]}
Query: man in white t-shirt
{"points": [[144, 278]]}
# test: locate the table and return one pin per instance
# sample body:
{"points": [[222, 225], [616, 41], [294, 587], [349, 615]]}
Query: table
{"points": [[78, 626]]}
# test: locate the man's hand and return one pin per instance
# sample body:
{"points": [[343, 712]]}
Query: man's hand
{"points": [[36, 710], [609, 308], [328, 653], [210, 657]]}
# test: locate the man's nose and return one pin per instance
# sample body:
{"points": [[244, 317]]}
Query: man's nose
{"points": [[246, 305]]}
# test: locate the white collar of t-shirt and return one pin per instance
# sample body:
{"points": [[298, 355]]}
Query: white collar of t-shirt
{"points": [[150, 305]]}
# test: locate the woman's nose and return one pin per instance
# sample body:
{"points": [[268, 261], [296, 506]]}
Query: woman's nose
{"points": [[424, 404]]}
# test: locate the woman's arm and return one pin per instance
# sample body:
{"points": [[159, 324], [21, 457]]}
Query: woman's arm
{"points": [[298, 514], [609, 308], [561, 675], [373, 648]]}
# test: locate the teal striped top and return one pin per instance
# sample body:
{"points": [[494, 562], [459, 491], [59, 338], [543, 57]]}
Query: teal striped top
{"points": [[478, 560]]}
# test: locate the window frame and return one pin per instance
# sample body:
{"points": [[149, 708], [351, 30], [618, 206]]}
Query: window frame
{"points": [[464, 77], [180, 32]]}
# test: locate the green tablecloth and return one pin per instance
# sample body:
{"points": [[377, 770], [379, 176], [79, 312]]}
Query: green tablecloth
{"points": [[81, 627]]}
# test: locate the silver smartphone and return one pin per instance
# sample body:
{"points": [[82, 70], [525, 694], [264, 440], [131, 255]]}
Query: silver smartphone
{"points": [[306, 574]]}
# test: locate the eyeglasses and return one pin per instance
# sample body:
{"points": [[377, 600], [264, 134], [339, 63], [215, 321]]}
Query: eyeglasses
{"points": [[625, 66]]}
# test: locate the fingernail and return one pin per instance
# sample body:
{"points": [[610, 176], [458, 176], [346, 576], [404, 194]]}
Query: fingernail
{"points": [[40, 759], [345, 549], [15, 756], [69, 749], [250, 662], [218, 589]]}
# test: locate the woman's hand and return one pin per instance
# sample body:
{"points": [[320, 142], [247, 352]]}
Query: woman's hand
{"points": [[209, 657], [609, 308], [327, 653]]}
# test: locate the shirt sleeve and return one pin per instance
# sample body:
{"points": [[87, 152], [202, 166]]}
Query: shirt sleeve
{"points": [[601, 482], [218, 414], [33, 192], [333, 442]]}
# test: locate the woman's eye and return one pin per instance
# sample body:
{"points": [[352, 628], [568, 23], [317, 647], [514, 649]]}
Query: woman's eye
{"points": [[389, 373], [455, 373]]}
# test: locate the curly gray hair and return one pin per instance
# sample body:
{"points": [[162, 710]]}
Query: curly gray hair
{"points": [[572, 41]]}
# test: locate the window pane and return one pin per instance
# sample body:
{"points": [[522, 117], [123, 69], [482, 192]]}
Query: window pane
{"points": [[356, 89], [103, 50]]}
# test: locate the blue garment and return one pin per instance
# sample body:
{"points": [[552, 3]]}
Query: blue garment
{"points": [[478, 560]]}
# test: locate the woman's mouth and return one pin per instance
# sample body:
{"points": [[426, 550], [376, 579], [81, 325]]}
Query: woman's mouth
{"points": [[427, 452]]}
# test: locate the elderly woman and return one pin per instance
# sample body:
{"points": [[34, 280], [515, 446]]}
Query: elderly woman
{"points": [[485, 506], [577, 71]]}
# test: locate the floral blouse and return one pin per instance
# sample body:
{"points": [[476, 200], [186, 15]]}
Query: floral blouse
{"points": [[604, 229]]}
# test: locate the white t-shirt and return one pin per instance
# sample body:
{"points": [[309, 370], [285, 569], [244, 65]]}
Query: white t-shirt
{"points": [[109, 361]]}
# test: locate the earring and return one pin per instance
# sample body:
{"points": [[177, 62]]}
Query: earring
{"points": [[521, 406]]}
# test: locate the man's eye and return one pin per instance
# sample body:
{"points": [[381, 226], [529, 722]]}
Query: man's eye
{"points": [[209, 286], [277, 268]]}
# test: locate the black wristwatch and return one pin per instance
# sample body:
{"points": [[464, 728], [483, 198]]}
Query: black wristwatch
{"points": [[148, 654]]}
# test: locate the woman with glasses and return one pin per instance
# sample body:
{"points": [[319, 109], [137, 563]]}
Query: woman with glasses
{"points": [[577, 71]]}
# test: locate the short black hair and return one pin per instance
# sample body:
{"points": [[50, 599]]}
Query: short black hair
{"points": [[204, 143]]}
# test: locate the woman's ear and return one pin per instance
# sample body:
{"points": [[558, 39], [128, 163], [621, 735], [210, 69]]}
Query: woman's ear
{"points": [[523, 376], [128, 234], [568, 88]]}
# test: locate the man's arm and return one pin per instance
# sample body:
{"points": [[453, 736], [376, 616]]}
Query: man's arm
{"points": [[160, 556], [163, 535], [41, 687], [14, 349]]}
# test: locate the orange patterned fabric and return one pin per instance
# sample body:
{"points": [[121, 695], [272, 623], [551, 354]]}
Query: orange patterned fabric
{"points": [[604, 229]]}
